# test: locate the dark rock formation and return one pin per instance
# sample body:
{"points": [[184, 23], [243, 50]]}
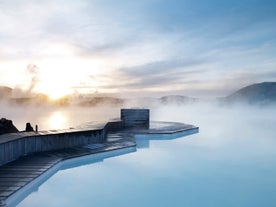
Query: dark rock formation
{"points": [[29, 127], [6, 126]]}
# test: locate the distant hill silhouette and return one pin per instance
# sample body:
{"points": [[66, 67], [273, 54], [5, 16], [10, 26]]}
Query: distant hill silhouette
{"points": [[176, 100], [260, 93], [97, 101]]}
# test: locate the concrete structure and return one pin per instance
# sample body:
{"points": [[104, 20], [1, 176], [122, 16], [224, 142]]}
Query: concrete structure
{"points": [[16, 145], [135, 118]]}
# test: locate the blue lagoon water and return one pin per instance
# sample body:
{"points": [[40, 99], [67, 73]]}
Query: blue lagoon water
{"points": [[230, 162]]}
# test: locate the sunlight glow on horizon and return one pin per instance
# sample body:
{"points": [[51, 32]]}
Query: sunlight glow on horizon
{"points": [[57, 120], [62, 74], [56, 76]]}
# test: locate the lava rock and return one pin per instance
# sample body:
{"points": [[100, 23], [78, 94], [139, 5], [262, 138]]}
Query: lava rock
{"points": [[29, 127], [6, 126]]}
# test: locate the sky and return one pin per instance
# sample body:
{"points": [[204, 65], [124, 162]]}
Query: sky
{"points": [[137, 48]]}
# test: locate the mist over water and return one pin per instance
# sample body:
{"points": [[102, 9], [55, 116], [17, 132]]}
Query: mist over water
{"points": [[52, 117], [230, 162]]}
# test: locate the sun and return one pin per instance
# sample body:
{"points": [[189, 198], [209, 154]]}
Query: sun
{"points": [[63, 72], [59, 77], [55, 90], [58, 93], [57, 120]]}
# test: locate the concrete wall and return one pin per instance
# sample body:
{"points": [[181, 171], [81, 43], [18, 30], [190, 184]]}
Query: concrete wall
{"points": [[12, 150], [135, 118]]}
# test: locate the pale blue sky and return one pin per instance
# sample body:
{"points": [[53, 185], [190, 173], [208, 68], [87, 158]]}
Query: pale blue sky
{"points": [[188, 47]]}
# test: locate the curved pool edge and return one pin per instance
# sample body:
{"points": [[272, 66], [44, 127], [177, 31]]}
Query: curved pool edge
{"points": [[64, 164]]}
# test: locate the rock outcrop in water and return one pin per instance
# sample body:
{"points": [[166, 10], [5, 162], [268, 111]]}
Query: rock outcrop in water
{"points": [[6, 126], [29, 127]]}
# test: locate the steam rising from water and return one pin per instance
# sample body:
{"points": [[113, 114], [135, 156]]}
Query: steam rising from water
{"points": [[53, 117], [33, 70], [48, 118]]}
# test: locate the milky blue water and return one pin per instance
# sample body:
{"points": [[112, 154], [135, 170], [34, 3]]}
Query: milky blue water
{"points": [[230, 162]]}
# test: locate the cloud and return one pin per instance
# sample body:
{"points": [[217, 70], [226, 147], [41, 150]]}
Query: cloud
{"points": [[144, 44], [164, 66], [158, 75]]}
